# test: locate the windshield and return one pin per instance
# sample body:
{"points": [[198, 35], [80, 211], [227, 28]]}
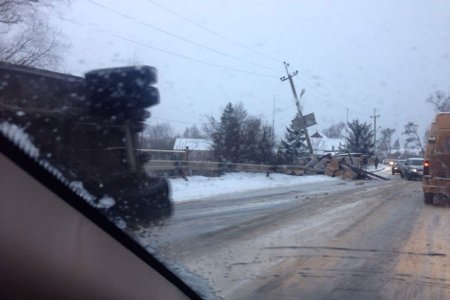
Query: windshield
{"points": [[247, 145], [416, 162]]}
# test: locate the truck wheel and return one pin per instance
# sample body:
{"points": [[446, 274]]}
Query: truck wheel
{"points": [[428, 198]]}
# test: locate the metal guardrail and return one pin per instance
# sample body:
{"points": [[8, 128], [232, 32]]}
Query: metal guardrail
{"points": [[188, 167]]}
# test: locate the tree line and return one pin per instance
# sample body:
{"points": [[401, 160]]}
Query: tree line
{"points": [[242, 138], [26, 37]]}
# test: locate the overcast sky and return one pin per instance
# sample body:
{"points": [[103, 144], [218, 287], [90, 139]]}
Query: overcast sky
{"points": [[361, 55]]}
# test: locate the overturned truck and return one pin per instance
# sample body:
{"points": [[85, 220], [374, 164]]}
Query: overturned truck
{"points": [[85, 129]]}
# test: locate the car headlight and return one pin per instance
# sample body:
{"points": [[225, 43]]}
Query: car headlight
{"points": [[414, 170]]}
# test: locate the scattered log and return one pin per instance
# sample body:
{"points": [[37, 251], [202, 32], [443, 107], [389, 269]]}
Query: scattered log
{"points": [[319, 168], [330, 173], [345, 170], [332, 168], [363, 174], [348, 173], [376, 175], [311, 163], [317, 165]]}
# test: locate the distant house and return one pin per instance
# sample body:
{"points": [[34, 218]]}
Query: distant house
{"points": [[198, 149], [322, 145]]}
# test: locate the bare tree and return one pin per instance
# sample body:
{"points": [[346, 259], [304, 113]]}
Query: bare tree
{"points": [[159, 136], [440, 101], [396, 145], [385, 141], [25, 36], [193, 132], [14, 11], [411, 131], [335, 131], [134, 59]]}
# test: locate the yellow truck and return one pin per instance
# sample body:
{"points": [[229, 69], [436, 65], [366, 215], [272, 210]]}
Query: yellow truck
{"points": [[436, 165]]}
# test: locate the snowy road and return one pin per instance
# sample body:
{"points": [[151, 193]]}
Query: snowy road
{"points": [[375, 240]]}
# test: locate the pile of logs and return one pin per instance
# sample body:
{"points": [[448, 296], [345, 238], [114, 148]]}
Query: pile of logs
{"points": [[333, 167]]}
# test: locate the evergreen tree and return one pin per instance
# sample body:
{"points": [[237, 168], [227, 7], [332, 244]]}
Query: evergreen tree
{"points": [[240, 138], [293, 145], [257, 142], [227, 135], [359, 138], [265, 152], [251, 135]]}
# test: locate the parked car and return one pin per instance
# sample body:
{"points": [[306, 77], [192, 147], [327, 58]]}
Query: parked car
{"points": [[436, 171], [396, 167], [412, 169]]}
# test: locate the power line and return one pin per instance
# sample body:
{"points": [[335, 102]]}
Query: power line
{"points": [[184, 39], [325, 99], [244, 47], [213, 32], [179, 37], [329, 102], [145, 45], [205, 47], [193, 59], [190, 58], [323, 95], [176, 121]]}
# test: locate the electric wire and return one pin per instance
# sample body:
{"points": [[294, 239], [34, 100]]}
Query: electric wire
{"points": [[228, 39], [145, 45], [314, 95], [171, 11], [214, 32], [177, 121], [179, 37], [190, 58]]}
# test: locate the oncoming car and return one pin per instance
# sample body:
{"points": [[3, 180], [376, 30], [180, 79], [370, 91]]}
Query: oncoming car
{"points": [[397, 166], [413, 168]]}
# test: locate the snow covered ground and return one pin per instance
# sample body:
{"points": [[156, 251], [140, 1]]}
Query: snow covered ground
{"points": [[199, 187]]}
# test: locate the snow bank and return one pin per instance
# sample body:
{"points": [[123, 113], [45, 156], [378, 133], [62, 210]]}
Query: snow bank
{"points": [[203, 187]]}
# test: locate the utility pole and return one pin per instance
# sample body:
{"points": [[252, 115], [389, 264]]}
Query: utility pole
{"points": [[374, 117], [300, 114], [273, 115]]}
